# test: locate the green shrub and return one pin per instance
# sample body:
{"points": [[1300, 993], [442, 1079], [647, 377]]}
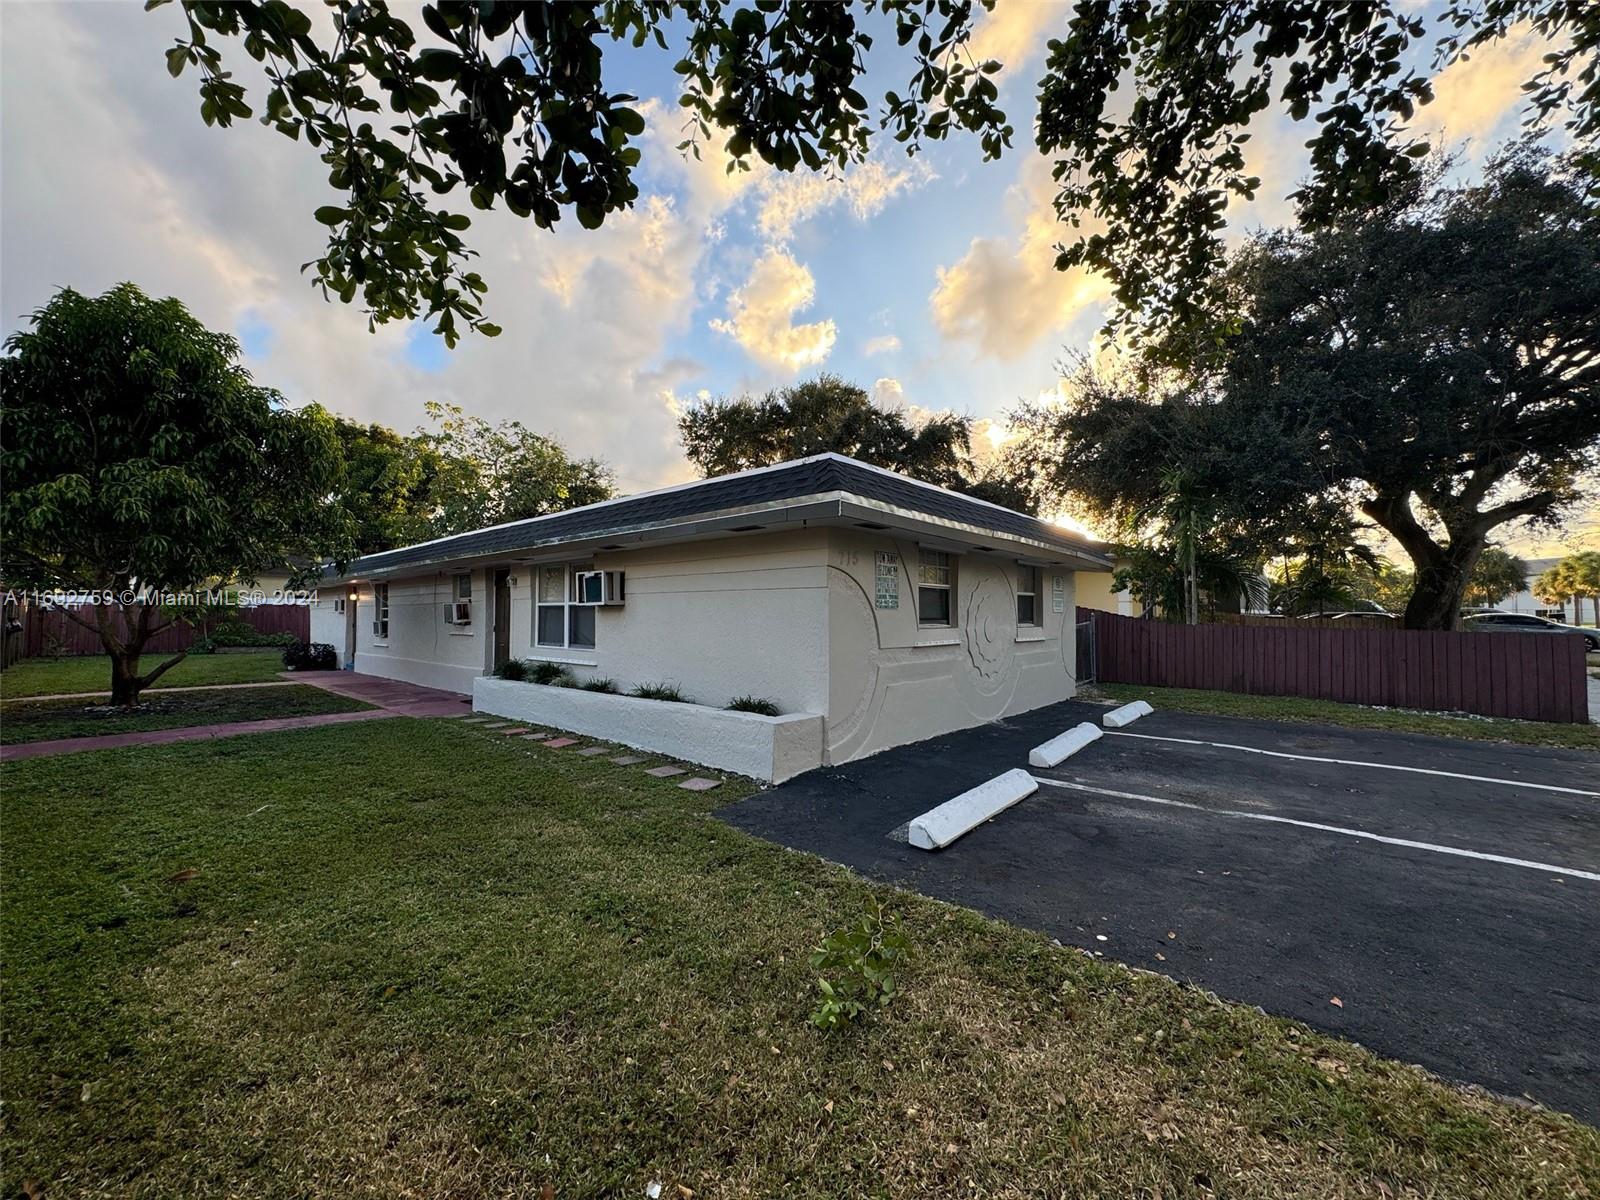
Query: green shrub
{"points": [[659, 691], [754, 704], [565, 679], [856, 968], [203, 646], [513, 668], [316, 656], [236, 632], [546, 672], [600, 685]]}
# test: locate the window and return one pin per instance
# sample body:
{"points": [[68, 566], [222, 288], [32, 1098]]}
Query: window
{"points": [[338, 605], [935, 603], [1027, 595], [380, 611], [564, 616], [460, 612]]}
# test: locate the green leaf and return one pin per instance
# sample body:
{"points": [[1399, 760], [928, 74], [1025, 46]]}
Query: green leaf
{"points": [[331, 214], [439, 65]]}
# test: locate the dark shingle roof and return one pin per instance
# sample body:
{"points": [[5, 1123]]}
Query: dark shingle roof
{"points": [[787, 481]]}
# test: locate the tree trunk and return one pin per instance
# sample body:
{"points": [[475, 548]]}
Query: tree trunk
{"points": [[125, 681], [1441, 572], [1436, 598]]}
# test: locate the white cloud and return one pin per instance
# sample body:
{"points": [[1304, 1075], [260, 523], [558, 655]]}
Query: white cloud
{"points": [[1005, 297], [1015, 31], [887, 344], [117, 178], [788, 199], [761, 315], [1472, 96], [887, 393]]}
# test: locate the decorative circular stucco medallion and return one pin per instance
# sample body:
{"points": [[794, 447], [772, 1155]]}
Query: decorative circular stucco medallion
{"points": [[990, 629]]}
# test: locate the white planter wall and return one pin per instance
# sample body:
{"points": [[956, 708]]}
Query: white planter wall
{"points": [[767, 748]]}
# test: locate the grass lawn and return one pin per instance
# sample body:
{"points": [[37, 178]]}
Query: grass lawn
{"points": [[42, 720], [92, 672], [415, 958], [1327, 712]]}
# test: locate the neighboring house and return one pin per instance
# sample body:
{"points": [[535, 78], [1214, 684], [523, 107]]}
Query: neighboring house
{"points": [[1095, 591], [1526, 602], [890, 609]]}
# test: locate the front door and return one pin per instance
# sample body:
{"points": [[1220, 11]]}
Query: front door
{"points": [[502, 619], [350, 633]]}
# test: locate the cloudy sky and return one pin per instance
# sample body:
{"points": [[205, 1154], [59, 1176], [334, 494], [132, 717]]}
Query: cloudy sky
{"points": [[927, 280]]}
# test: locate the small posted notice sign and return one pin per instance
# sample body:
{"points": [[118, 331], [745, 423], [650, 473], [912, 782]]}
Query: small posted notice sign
{"points": [[888, 580]]}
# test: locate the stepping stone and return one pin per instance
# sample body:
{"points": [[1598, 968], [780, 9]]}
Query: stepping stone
{"points": [[700, 785], [474, 720], [590, 750], [515, 731], [666, 772], [627, 760], [498, 725], [535, 736], [558, 743]]}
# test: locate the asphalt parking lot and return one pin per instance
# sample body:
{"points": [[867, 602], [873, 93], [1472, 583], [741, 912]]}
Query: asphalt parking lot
{"points": [[1452, 907]]}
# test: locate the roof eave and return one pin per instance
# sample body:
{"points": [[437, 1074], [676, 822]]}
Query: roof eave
{"points": [[830, 508]]}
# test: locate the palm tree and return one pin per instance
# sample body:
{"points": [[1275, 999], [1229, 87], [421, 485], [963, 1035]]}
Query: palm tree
{"points": [[1554, 586], [1175, 552], [1574, 577], [1497, 575], [1585, 577]]}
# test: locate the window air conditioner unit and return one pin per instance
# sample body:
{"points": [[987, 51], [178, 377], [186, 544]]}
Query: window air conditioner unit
{"points": [[461, 612], [601, 587]]}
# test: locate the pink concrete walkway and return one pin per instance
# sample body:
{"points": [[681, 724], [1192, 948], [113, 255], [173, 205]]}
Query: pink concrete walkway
{"points": [[392, 698], [392, 694]]}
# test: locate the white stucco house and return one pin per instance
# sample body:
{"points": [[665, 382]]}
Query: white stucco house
{"points": [[873, 609]]}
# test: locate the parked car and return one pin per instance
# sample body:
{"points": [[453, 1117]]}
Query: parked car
{"points": [[1504, 622], [1347, 614]]}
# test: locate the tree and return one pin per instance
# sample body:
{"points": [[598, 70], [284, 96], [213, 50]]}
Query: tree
{"points": [[386, 486], [1386, 585], [141, 462], [1182, 582], [1584, 572], [1574, 577], [507, 102], [487, 474], [1441, 355], [1497, 575], [821, 415]]}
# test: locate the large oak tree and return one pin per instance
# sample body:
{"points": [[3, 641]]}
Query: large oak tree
{"points": [[1434, 366], [142, 463]]}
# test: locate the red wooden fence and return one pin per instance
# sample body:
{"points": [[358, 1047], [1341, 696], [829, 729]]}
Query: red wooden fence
{"points": [[49, 632], [1538, 677]]}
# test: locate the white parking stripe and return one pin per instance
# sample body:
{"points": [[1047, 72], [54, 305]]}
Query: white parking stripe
{"points": [[1354, 762], [1549, 868]]}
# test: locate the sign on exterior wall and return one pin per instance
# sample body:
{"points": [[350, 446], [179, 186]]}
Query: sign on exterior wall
{"points": [[1058, 596], [888, 580]]}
